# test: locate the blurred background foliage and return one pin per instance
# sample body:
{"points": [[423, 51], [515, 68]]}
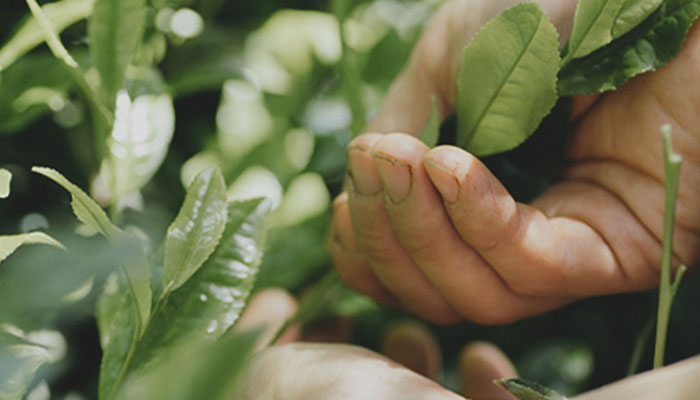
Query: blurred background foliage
{"points": [[271, 91]]}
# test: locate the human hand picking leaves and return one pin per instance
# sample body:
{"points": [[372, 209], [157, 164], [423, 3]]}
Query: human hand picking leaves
{"points": [[433, 231]]}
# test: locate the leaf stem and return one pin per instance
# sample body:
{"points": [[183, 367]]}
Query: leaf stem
{"points": [[50, 35], [667, 289]]}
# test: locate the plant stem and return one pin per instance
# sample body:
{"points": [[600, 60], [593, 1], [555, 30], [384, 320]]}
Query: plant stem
{"points": [[51, 37], [667, 289], [640, 345]]}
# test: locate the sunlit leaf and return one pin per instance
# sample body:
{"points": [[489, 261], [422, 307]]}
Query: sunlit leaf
{"points": [[85, 208], [61, 14], [5, 178], [632, 13], [213, 299], [526, 390], [507, 80], [647, 47], [593, 25], [8, 244], [114, 29], [431, 132], [197, 229]]}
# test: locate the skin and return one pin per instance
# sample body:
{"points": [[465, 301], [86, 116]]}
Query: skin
{"points": [[434, 232]]}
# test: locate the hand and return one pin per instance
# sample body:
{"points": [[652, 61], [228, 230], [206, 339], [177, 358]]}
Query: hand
{"points": [[435, 232]]}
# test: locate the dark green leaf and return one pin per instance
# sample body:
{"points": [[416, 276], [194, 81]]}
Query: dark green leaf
{"points": [[197, 229], [648, 46], [526, 390], [632, 13], [431, 132], [114, 29], [213, 299], [507, 80], [592, 29]]}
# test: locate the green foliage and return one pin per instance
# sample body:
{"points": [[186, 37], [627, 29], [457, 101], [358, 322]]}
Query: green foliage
{"points": [[5, 178], [632, 13], [649, 46], [593, 25], [8, 244], [115, 29], [527, 390], [431, 132], [507, 80]]}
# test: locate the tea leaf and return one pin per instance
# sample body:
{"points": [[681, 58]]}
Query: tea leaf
{"points": [[8, 244], [645, 48], [197, 229], [213, 299], [507, 80], [5, 178], [593, 25], [114, 30], [526, 390], [632, 13], [60, 14], [85, 208], [431, 132]]}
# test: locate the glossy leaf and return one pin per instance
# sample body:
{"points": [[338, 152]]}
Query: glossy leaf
{"points": [[526, 390], [61, 14], [632, 13], [213, 299], [647, 47], [118, 321], [85, 208], [431, 132], [592, 29], [507, 80], [197, 229], [5, 178], [8, 244], [114, 30]]}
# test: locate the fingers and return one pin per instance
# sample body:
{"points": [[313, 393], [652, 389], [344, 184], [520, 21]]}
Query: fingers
{"points": [[269, 310], [533, 254], [479, 364], [333, 372], [378, 243], [413, 346], [426, 233]]}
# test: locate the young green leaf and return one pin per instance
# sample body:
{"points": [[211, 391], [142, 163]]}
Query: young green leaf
{"points": [[651, 45], [213, 299], [197, 229], [114, 30], [50, 35], [593, 25], [431, 132], [118, 322], [527, 390], [8, 244], [632, 13], [507, 80], [85, 208], [5, 178]]}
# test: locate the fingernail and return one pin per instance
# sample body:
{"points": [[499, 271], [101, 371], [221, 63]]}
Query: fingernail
{"points": [[395, 175], [444, 180], [362, 172]]}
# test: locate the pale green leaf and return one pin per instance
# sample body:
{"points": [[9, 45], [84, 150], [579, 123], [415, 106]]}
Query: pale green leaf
{"points": [[632, 13], [592, 29], [431, 132], [114, 30], [526, 390], [8, 244], [507, 80], [197, 229], [60, 14], [5, 178], [213, 299], [649, 46], [117, 321], [85, 208]]}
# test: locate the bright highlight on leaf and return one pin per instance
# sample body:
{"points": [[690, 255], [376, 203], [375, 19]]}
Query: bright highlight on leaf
{"points": [[5, 178], [593, 24], [8, 244], [196, 231], [431, 132], [507, 80]]}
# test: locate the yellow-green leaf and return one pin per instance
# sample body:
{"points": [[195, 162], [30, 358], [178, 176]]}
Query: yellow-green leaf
{"points": [[10, 243], [593, 25], [431, 132], [5, 178]]}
